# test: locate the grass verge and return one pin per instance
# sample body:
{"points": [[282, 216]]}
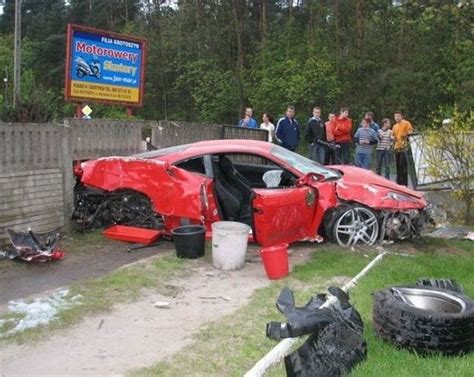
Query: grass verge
{"points": [[231, 346]]}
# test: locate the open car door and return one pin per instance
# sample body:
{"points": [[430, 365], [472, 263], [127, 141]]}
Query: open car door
{"points": [[284, 215], [172, 191]]}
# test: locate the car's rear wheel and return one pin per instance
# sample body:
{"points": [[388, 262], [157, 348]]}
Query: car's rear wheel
{"points": [[351, 224]]}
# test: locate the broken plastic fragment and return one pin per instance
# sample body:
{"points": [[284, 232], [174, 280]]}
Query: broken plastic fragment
{"points": [[35, 247]]}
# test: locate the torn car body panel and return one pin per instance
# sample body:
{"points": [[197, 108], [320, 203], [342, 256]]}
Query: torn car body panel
{"points": [[35, 247], [366, 187], [172, 191]]}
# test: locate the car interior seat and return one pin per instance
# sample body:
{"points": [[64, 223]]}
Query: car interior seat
{"points": [[233, 195]]}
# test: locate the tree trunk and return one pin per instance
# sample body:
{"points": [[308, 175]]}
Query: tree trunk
{"points": [[237, 8], [263, 20], [338, 42]]}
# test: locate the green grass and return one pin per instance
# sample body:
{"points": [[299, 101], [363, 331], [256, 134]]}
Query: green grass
{"points": [[232, 345], [99, 295]]}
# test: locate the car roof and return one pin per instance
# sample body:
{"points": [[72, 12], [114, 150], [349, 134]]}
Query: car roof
{"points": [[186, 151]]}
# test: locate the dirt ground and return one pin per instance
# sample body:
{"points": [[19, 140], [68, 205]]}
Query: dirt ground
{"points": [[20, 280], [138, 334]]}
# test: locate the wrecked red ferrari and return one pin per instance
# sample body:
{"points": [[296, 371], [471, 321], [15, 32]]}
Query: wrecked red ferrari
{"points": [[283, 196]]}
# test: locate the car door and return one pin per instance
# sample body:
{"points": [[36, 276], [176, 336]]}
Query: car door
{"points": [[284, 215]]}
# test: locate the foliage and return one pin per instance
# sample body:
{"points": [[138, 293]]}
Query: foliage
{"points": [[208, 59], [450, 154]]}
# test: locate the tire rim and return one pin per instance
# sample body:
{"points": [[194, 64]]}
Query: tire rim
{"points": [[425, 299], [357, 224]]}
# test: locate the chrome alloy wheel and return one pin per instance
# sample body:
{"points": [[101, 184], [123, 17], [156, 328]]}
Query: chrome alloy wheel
{"points": [[357, 224]]}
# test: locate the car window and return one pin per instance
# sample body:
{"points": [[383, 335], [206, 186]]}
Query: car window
{"points": [[303, 164], [193, 165], [259, 172]]}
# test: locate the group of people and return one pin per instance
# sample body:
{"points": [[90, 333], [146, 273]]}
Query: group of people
{"points": [[330, 142]]}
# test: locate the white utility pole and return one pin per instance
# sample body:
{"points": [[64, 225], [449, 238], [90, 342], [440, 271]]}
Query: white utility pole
{"points": [[17, 55]]}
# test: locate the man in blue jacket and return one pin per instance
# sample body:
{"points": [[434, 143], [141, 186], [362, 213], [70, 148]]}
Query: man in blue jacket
{"points": [[248, 121], [287, 130]]}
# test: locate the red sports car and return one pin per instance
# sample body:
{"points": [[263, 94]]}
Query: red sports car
{"points": [[282, 195]]}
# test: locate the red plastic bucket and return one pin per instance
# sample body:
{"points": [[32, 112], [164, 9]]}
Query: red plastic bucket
{"points": [[275, 261]]}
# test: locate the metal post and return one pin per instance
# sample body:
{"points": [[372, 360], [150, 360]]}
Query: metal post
{"points": [[17, 56], [5, 83]]}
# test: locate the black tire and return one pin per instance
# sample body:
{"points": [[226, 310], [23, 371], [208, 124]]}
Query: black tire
{"points": [[425, 330], [449, 284], [330, 217]]}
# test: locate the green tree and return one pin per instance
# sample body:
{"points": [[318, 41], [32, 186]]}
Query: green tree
{"points": [[450, 155]]}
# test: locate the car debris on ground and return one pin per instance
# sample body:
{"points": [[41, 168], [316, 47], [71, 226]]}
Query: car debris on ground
{"points": [[23, 314], [335, 344], [34, 247], [451, 232]]}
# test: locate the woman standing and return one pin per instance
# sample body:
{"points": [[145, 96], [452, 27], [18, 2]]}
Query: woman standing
{"points": [[384, 147], [268, 125]]}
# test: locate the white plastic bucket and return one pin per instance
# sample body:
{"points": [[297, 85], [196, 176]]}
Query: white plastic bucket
{"points": [[229, 244]]}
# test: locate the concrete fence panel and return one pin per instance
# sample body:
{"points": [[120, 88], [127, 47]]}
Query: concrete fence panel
{"points": [[35, 177], [170, 133], [96, 138]]}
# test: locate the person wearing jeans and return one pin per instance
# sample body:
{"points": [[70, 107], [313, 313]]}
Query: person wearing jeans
{"points": [[384, 146], [365, 137], [315, 135]]}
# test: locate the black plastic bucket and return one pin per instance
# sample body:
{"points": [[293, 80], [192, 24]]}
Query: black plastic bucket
{"points": [[189, 241]]}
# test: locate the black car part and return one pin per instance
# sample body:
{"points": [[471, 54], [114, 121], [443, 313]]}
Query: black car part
{"points": [[308, 319], [425, 319], [94, 208], [336, 344], [332, 351]]}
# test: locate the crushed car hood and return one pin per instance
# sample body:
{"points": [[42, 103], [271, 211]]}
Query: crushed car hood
{"points": [[370, 189]]}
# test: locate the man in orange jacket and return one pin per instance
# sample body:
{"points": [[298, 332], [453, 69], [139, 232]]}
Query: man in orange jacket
{"points": [[341, 128], [400, 131]]}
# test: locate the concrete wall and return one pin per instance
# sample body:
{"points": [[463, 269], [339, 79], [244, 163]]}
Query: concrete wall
{"points": [[168, 133], [96, 138], [35, 177]]}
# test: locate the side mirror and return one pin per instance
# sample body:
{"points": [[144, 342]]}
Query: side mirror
{"points": [[310, 178]]}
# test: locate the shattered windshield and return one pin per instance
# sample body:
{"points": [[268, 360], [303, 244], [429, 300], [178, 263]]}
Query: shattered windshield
{"points": [[303, 164]]}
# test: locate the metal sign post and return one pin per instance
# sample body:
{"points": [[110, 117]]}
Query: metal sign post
{"points": [[17, 56]]}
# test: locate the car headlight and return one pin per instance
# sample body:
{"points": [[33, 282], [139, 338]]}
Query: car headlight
{"points": [[401, 197]]}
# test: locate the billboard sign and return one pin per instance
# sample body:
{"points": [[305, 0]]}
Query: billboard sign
{"points": [[104, 67]]}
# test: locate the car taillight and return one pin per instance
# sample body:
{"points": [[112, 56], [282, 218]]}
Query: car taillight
{"points": [[77, 169]]}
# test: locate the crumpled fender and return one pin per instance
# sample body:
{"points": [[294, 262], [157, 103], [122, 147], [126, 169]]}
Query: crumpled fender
{"points": [[375, 196], [172, 191]]}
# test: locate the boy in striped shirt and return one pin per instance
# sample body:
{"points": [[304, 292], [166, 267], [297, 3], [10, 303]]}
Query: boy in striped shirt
{"points": [[384, 153], [365, 138]]}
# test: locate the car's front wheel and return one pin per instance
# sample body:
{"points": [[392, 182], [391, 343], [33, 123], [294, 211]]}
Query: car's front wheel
{"points": [[352, 224]]}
